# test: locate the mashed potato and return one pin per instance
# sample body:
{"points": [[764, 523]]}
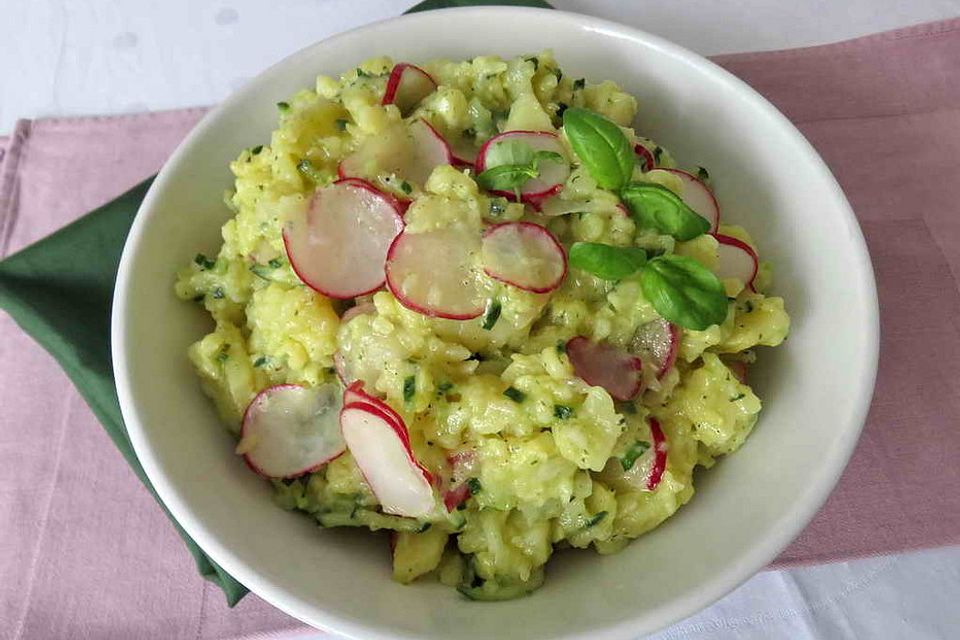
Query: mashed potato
{"points": [[550, 461]]}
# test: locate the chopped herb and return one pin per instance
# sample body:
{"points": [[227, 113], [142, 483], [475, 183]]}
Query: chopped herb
{"points": [[259, 362], [629, 407], [749, 305], [559, 74], [476, 355], [199, 297], [596, 519], [224, 353], [579, 84], [491, 314], [405, 187], [341, 124], [261, 271], [561, 107], [462, 506], [283, 106], [469, 132], [204, 262], [535, 61], [657, 152], [515, 394], [306, 168], [737, 397], [562, 411], [561, 346], [443, 387], [409, 388], [256, 150], [424, 527], [498, 206], [703, 174], [275, 263], [474, 485], [636, 450], [217, 293], [363, 74]]}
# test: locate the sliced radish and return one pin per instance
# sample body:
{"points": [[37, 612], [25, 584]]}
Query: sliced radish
{"points": [[434, 273], [600, 364], [289, 430], [657, 343], [338, 246], [659, 455], [698, 197], [464, 152], [739, 370], [456, 496], [407, 86], [647, 163], [736, 259], [356, 393], [525, 255], [381, 449], [357, 310], [646, 470], [552, 174], [410, 152]]}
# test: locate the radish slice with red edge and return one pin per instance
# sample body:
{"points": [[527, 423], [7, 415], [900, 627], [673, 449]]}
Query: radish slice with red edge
{"points": [[407, 85], [338, 245], [289, 430], [601, 364], [434, 273], [381, 449], [739, 370], [456, 496], [552, 174], [646, 470], [647, 163], [357, 310], [464, 153], [524, 255], [698, 197], [412, 153], [657, 343], [736, 259], [659, 455]]}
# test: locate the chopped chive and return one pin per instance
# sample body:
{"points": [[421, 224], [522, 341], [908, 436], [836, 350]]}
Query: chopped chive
{"points": [[275, 263], [259, 362], [596, 519], [579, 84], [703, 174], [561, 346], [363, 74], [515, 394], [283, 106], [636, 450], [657, 152], [217, 293], [224, 353], [341, 124], [424, 527], [469, 132], [559, 74], [443, 387], [629, 407], [535, 61], [491, 314], [405, 187], [737, 397], [474, 485], [409, 388], [562, 411], [261, 271], [204, 262], [561, 107], [199, 297], [256, 150]]}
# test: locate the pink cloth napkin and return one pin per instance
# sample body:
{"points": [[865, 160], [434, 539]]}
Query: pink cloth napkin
{"points": [[884, 111]]}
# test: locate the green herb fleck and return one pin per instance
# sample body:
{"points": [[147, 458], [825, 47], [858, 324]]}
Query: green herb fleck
{"points": [[469, 132], [535, 61], [217, 293], [405, 187], [562, 411], [341, 124], [657, 152], [498, 206], [515, 394], [275, 263], [628, 407], [579, 84], [259, 362], [703, 174], [596, 519], [474, 485], [561, 346], [256, 150], [749, 305], [636, 450], [204, 262], [199, 297], [363, 74], [424, 527], [443, 387], [261, 271], [739, 396], [224, 353], [409, 388], [561, 107], [559, 74], [283, 106], [491, 314]]}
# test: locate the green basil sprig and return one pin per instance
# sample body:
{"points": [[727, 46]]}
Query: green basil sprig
{"points": [[511, 163], [601, 147], [606, 261], [684, 292], [656, 207]]}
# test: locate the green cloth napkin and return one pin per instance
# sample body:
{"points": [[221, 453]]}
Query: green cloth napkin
{"points": [[60, 289]]}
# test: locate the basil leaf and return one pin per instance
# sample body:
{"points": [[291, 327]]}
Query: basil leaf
{"points": [[684, 292], [606, 261], [509, 152], [547, 156], [506, 177], [601, 147], [656, 207]]}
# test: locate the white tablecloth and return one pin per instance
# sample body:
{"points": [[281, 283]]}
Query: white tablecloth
{"points": [[66, 57]]}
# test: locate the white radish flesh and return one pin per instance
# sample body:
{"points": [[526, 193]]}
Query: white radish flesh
{"points": [[289, 430], [697, 196], [339, 244], [657, 343], [736, 259], [407, 86], [410, 152], [524, 255], [646, 471], [552, 174], [382, 451], [601, 364], [435, 273]]}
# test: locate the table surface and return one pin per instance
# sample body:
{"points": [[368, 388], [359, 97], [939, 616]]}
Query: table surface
{"points": [[62, 58]]}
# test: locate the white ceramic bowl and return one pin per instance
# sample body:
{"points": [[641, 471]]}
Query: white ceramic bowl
{"points": [[816, 387]]}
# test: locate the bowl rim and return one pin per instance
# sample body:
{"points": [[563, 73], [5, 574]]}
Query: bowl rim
{"points": [[738, 569]]}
